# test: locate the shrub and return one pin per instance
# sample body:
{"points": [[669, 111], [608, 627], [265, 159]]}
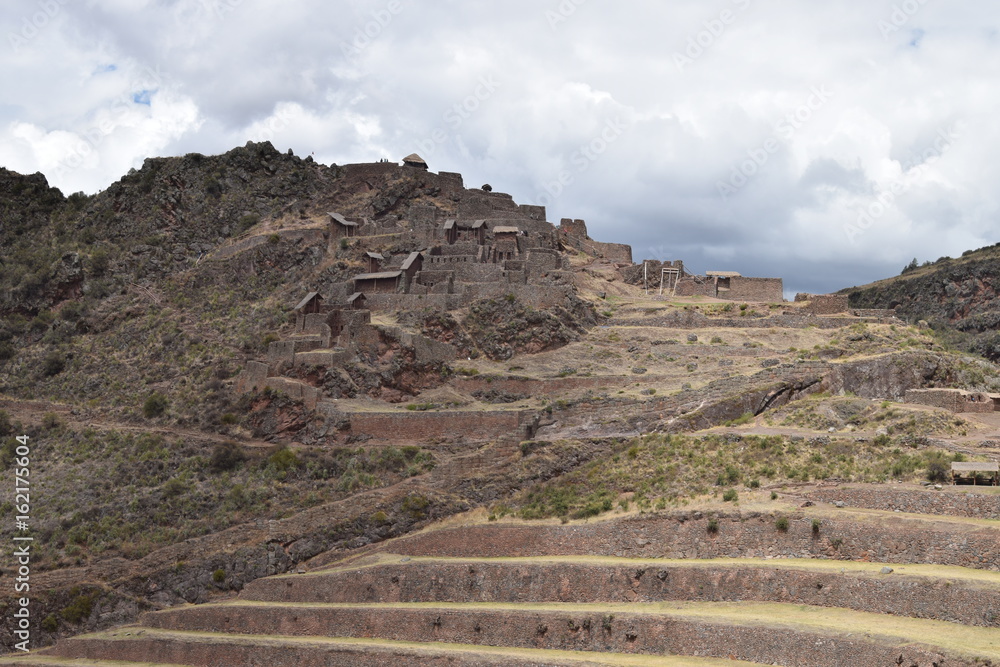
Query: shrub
{"points": [[51, 421], [273, 239], [53, 364], [219, 576], [174, 487], [344, 243], [816, 523], [782, 524], [283, 459], [155, 405], [226, 456], [228, 419], [100, 261], [713, 526], [938, 467], [415, 504], [80, 608], [774, 495], [730, 495]]}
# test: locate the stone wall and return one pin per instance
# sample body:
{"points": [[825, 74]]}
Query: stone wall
{"points": [[657, 633], [577, 228], [861, 589], [295, 390], [881, 313], [748, 534], [397, 427], [692, 286], [946, 502], [954, 400], [768, 290], [824, 304]]}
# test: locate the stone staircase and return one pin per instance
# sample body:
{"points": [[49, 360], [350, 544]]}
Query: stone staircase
{"points": [[673, 588]]}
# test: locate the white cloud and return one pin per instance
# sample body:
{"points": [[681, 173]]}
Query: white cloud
{"points": [[232, 70]]}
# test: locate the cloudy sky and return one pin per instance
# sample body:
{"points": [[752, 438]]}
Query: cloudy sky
{"points": [[827, 143]]}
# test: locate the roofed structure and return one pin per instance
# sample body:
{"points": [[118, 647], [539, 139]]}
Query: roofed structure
{"points": [[341, 226], [973, 468], [312, 303], [414, 160]]}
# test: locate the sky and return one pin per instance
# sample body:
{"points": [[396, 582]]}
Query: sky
{"points": [[825, 143]]}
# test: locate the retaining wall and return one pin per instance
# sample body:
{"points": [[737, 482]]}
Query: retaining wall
{"points": [[746, 535], [577, 630], [415, 425], [641, 581]]}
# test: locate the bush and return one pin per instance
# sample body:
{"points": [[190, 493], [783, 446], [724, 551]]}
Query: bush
{"points": [[938, 467], [816, 523], [219, 576], [81, 606], [51, 421], [283, 459], [100, 261], [730, 495], [226, 456], [274, 239], [782, 524], [53, 364], [155, 405], [774, 495], [713, 526]]}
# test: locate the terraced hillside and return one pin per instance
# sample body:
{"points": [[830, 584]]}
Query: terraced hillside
{"points": [[794, 581], [519, 461]]}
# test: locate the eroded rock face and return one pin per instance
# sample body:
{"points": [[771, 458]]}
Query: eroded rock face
{"points": [[887, 377], [503, 327]]}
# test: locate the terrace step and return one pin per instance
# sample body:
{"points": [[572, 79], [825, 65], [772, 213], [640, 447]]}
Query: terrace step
{"points": [[42, 660], [747, 631], [213, 649], [843, 534], [909, 590]]}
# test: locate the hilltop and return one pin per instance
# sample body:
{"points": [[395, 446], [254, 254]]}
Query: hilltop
{"points": [[959, 297], [252, 364]]}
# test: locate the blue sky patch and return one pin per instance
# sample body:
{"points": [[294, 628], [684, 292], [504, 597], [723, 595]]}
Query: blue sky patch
{"points": [[143, 97]]}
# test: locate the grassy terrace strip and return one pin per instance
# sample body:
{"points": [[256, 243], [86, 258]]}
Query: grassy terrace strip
{"points": [[955, 639], [376, 648], [983, 578], [41, 660]]}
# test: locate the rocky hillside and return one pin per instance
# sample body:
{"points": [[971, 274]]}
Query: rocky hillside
{"points": [[959, 297], [130, 321]]}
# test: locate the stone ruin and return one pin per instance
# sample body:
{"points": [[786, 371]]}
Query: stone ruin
{"points": [[669, 278]]}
